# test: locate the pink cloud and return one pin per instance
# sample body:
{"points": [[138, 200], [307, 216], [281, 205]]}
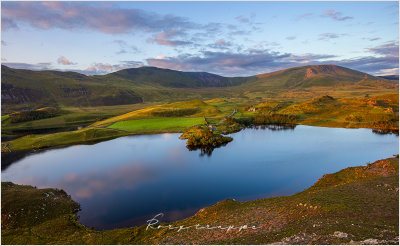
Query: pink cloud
{"points": [[64, 61], [102, 68], [164, 38], [335, 15], [107, 18]]}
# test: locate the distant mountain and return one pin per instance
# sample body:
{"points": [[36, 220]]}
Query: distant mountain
{"points": [[390, 77], [25, 89], [315, 75], [176, 79]]}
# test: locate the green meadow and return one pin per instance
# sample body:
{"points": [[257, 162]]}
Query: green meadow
{"points": [[158, 124]]}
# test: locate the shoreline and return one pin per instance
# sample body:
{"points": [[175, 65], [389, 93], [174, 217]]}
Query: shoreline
{"points": [[5, 145]]}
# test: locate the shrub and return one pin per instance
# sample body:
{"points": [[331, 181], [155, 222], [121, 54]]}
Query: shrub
{"points": [[30, 115], [262, 119], [173, 112]]}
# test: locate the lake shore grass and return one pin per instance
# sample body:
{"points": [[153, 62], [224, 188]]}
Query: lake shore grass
{"points": [[357, 205]]}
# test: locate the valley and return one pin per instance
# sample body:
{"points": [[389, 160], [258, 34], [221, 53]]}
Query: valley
{"points": [[84, 110]]}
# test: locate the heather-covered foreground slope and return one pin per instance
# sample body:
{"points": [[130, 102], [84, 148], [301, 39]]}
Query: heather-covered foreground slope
{"points": [[357, 205]]}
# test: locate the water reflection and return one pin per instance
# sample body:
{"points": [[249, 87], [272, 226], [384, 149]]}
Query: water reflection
{"points": [[281, 127], [7, 158], [385, 132], [205, 150], [208, 150], [96, 182]]}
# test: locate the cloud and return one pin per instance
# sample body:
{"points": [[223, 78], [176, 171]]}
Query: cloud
{"points": [[125, 48], [103, 68], [369, 64], [335, 15], [291, 38], [235, 64], [328, 36], [64, 61], [221, 44], [7, 23], [169, 42], [120, 42], [249, 21], [95, 69], [242, 19], [385, 58], [390, 49], [107, 18], [373, 39], [164, 38], [389, 71], [303, 16]]}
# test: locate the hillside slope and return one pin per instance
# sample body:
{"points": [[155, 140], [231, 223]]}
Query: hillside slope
{"points": [[25, 89], [316, 75], [378, 112], [34, 89], [171, 78]]}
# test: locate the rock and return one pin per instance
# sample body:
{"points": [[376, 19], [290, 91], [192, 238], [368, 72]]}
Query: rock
{"points": [[370, 241], [339, 234]]}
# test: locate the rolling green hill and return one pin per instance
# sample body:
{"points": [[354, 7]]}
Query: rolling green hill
{"points": [[33, 89], [170, 78], [27, 90]]}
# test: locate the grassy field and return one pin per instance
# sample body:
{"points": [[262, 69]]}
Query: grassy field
{"points": [[157, 124], [71, 117], [83, 136], [357, 205], [183, 109]]}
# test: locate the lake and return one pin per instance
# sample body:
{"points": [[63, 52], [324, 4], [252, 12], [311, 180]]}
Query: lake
{"points": [[126, 181]]}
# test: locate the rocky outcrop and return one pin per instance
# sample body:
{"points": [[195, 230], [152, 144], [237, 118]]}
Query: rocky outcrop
{"points": [[15, 95]]}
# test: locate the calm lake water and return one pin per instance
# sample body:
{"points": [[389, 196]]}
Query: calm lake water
{"points": [[126, 181]]}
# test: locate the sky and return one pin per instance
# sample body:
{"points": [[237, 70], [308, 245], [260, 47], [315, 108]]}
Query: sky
{"points": [[225, 38]]}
